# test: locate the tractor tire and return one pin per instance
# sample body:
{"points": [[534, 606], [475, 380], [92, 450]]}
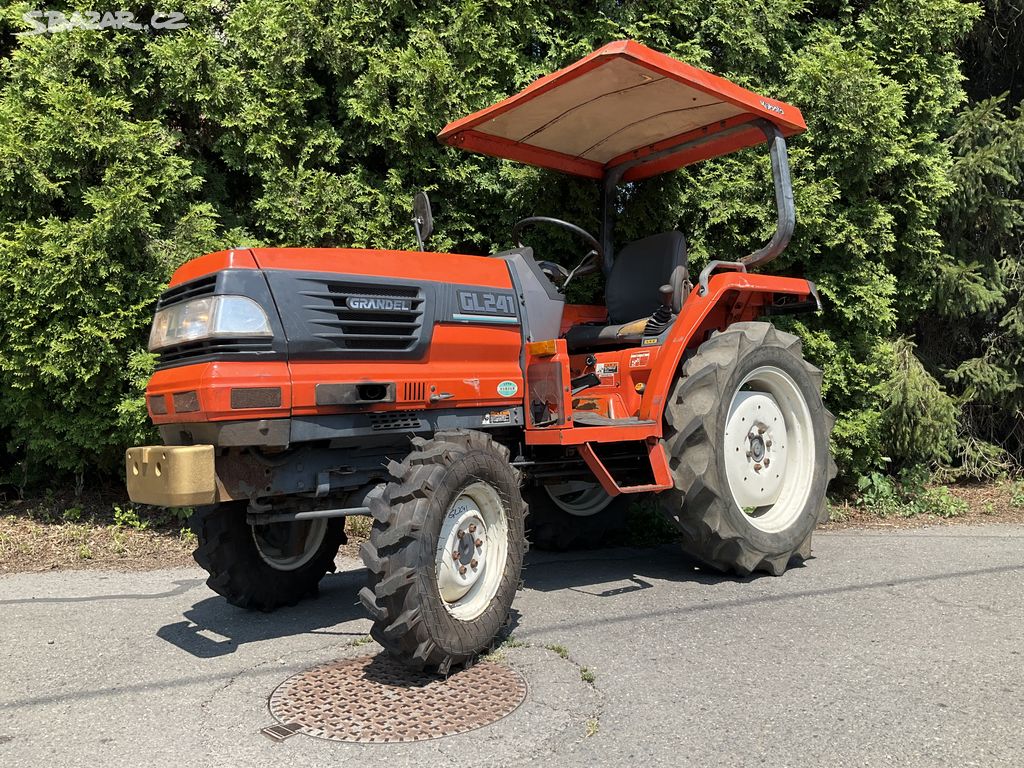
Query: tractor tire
{"points": [[746, 399], [246, 564], [585, 519], [445, 553]]}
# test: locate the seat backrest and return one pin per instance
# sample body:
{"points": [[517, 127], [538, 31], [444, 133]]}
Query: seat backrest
{"points": [[640, 269]]}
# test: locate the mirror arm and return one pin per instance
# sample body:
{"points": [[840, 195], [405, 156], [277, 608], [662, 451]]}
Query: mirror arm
{"points": [[417, 222], [422, 217]]}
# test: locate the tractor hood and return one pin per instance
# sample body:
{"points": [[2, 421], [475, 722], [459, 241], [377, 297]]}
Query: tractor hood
{"points": [[619, 104]]}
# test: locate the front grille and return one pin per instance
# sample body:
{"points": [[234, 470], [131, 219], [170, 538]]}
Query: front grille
{"points": [[194, 289], [194, 350], [366, 329]]}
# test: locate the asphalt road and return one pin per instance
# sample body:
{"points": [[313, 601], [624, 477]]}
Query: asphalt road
{"points": [[889, 648]]}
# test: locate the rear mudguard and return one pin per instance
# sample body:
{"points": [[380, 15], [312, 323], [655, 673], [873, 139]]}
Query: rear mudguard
{"points": [[730, 297]]}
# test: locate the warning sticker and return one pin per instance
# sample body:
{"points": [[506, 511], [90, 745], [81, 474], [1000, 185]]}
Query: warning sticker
{"points": [[498, 417], [606, 369], [649, 342], [639, 359]]}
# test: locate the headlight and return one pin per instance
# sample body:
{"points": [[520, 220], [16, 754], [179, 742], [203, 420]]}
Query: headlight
{"points": [[209, 318]]}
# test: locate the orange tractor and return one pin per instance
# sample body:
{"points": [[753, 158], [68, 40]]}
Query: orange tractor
{"points": [[435, 392]]}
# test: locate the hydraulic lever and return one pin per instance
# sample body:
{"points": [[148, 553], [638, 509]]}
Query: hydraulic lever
{"points": [[662, 317]]}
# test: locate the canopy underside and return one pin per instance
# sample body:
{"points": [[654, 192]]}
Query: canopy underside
{"points": [[621, 103]]}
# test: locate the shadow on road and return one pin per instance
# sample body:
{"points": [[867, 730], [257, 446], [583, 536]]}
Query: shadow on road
{"points": [[180, 586], [613, 572], [212, 627]]}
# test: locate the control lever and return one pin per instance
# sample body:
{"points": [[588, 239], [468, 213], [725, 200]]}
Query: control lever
{"points": [[586, 381], [662, 316]]}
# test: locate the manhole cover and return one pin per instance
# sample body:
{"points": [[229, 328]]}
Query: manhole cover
{"points": [[376, 699]]}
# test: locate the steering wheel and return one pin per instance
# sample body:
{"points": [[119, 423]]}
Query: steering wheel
{"points": [[578, 231]]}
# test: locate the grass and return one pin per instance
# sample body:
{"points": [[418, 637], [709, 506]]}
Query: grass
{"points": [[1017, 495], [561, 650], [885, 502], [586, 675], [593, 726], [359, 526], [101, 529], [95, 529], [647, 526]]}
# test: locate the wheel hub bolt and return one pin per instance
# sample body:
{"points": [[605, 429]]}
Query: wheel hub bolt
{"points": [[460, 534], [455, 554], [472, 527], [768, 443], [767, 461], [473, 564], [462, 570], [757, 467], [479, 543]]}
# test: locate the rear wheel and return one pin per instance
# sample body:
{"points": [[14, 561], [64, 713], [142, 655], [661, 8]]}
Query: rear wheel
{"points": [[748, 436], [263, 567], [446, 550], [575, 514]]}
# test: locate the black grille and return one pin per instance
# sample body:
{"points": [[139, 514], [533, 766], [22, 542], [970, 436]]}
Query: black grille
{"points": [[394, 420], [211, 347], [366, 329], [193, 289]]}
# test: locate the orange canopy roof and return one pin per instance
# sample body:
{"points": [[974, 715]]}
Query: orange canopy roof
{"points": [[622, 103]]}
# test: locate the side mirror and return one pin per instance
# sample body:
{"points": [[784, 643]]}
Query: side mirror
{"points": [[422, 217]]}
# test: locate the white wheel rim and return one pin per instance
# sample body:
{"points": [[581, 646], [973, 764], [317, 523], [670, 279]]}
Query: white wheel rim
{"points": [[472, 551], [578, 497], [269, 540], [769, 449]]}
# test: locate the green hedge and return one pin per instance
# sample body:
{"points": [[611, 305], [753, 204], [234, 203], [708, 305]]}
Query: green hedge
{"points": [[306, 122]]}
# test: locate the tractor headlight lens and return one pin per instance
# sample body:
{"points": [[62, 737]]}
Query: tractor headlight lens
{"points": [[208, 318]]}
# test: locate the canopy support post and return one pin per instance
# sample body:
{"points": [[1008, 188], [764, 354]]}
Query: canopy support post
{"points": [[783, 198], [609, 182], [780, 176]]}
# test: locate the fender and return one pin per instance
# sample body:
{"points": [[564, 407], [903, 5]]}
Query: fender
{"points": [[731, 297]]}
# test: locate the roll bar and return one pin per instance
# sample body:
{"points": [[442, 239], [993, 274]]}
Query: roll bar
{"points": [[780, 177]]}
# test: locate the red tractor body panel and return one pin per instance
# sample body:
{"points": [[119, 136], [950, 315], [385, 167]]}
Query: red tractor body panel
{"points": [[463, 365]]}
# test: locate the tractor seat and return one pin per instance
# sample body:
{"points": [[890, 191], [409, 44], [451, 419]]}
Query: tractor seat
{"points": [[631, 291]]}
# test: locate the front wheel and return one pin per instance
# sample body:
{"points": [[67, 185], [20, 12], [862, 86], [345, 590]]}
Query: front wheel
{"points": [[747, 435], [263, 567], [446, 550]]}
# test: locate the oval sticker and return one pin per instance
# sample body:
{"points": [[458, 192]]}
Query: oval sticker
{"points": [[507, 388]]}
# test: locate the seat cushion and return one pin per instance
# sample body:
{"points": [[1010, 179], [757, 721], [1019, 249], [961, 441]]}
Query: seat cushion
{"points": [[640, 269], [581, 337]]}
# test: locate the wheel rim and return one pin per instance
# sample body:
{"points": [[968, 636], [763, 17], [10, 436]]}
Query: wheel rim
{"points": [[289, 546], [578, 497], [769, 449], [472, 551]]}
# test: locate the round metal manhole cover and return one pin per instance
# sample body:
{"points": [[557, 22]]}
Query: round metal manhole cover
{"points": [[376, 699]]}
